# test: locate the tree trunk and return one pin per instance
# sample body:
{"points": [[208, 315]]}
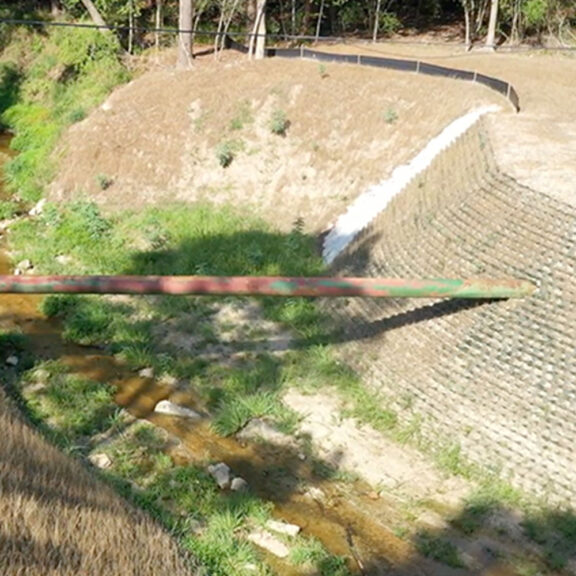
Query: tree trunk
{"points": [[491, 37], [55, 8], [257, 46], [306, 18], [227, 23], [319, 21], [467, 34], [94, 14], [159, 23], [376, 21], [515, 33], [130, 27], [185, 21]]}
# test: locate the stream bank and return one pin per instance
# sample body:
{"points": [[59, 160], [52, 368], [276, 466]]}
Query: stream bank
{"points": [[339, 514]]}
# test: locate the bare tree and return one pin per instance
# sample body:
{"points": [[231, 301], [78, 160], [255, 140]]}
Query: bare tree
{"points": [[466, 4], [94, 14], [376, 21], [185, 36], [491, 36], [159, 22], [257, 43], [228, 9], [319, 20]]}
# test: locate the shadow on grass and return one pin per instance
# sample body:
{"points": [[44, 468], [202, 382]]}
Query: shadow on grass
{"points": [[354, 525]]}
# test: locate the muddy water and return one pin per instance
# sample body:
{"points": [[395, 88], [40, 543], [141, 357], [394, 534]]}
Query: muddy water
{"points": [[345, 516]]}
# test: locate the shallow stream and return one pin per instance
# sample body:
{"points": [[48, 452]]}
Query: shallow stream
{"points": [[346, 516]]}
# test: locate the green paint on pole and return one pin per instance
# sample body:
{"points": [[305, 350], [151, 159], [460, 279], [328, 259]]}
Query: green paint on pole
{"points": [[479, 288]]}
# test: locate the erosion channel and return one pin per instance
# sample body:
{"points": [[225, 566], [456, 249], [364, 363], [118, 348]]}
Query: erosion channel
{"points": [[344, 514]]}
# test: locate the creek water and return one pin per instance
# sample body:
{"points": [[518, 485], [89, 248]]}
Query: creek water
{"points": [[344, 516]]}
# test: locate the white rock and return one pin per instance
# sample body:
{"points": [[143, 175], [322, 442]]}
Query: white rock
{"points": [[221, 473], [168, 380], [146, 373], [269, 542], [12, 360], [100, 460], [283, 527], [239, 485], [38, 208], [17, 272], [24, 265], [167, 407]]}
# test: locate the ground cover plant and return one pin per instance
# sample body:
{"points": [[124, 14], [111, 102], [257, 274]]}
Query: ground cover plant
{"points": [[47, 83], [205, 239]]}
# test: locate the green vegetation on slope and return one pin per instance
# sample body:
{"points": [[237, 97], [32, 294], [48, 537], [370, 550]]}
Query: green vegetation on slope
{"points": [[48, 82]]}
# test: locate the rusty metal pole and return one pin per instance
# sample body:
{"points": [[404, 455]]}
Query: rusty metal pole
{"points": [[269, 286]]}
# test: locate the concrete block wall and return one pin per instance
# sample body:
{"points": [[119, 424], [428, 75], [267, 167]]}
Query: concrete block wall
{"points": [[498, 378]]}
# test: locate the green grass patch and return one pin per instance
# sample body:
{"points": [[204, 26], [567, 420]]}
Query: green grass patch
{"points": [[555, 531], [439, 549], [310, 554], [279, 123], [242, 117], [317, 367], [48, 82], [70, 405]]}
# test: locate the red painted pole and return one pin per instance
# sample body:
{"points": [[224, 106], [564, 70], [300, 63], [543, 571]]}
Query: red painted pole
{"points": [[269, 286]]}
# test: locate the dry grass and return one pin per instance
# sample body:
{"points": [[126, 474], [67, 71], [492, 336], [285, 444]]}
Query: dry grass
{"points": [[57, 519]]}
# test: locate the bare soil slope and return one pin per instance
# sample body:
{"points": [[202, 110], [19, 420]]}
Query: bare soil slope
{"points": [[537, 146], [160, 137]]}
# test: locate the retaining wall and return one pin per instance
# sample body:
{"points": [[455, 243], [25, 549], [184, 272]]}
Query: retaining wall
{"points": [[498, 378]]}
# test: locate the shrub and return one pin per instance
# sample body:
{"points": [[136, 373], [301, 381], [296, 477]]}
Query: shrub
{"points": [[279, 123], [226, 151]]}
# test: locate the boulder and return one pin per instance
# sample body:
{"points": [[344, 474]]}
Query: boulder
{"points": [[283, 527], [221, 473], [269, 542], [239, 485], [167, 407], [100, 460]]}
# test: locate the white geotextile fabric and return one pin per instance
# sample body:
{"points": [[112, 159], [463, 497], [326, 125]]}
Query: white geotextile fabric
{"points": [[370, 203]]}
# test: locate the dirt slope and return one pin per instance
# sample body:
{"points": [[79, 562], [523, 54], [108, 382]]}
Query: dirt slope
{"points": [[158, 138], [536, 147]]}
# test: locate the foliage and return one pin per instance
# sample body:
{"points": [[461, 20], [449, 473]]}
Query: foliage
{"points": [[279, 123], [439, 549], [52, 82], [310, 553], [555, 531], [227, 150]]}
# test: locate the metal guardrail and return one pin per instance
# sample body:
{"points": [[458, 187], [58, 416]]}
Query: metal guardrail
{"points": [[480, 288], [504, 88]]}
